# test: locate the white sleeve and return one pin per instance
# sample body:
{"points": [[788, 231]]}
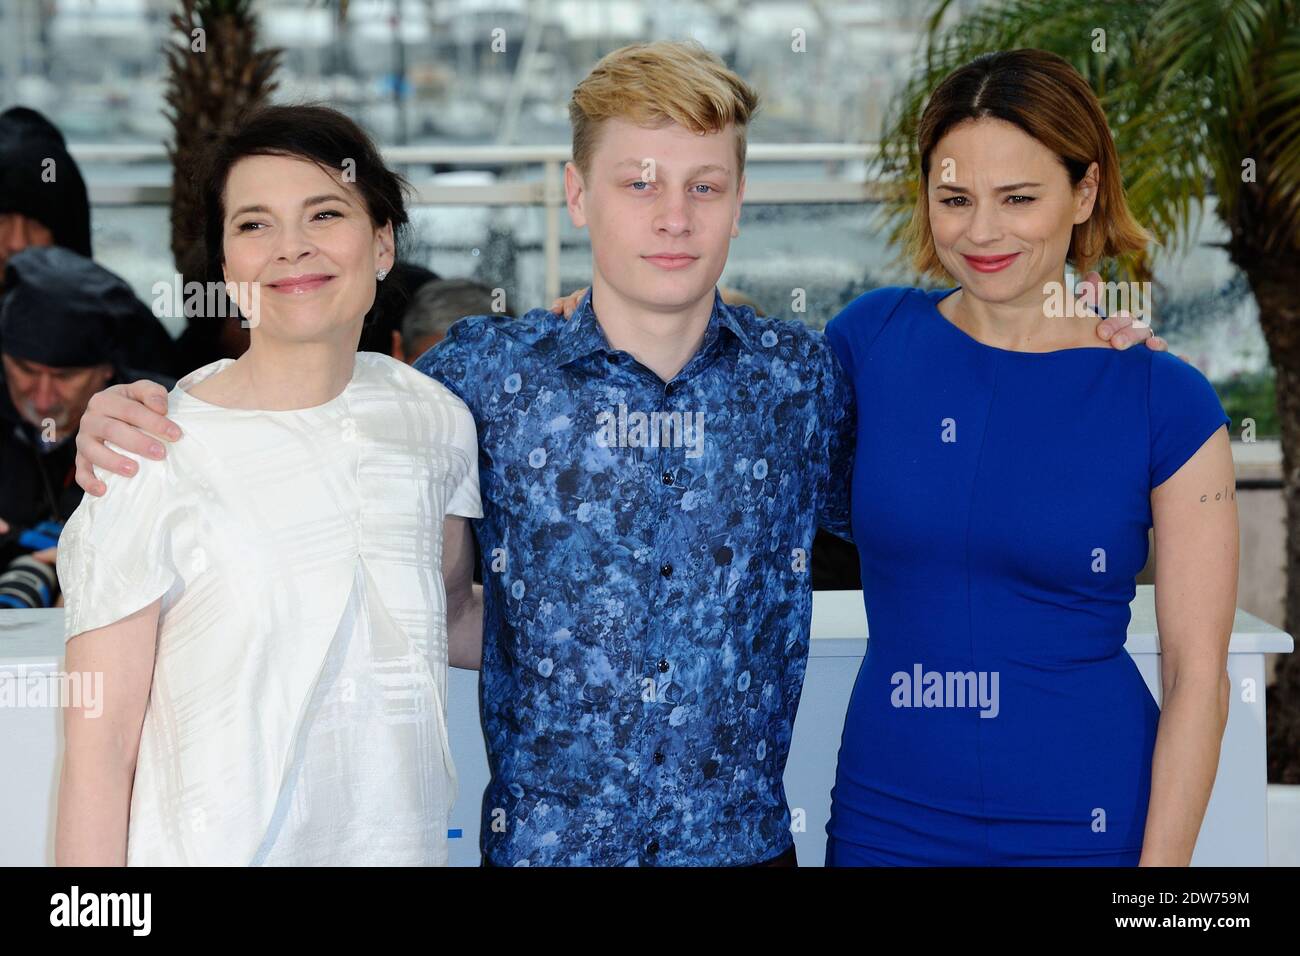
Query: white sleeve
{"points": [[464, 500], [115, 554]]}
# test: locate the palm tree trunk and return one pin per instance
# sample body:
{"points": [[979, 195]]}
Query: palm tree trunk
{"points": [[1279, 317]]}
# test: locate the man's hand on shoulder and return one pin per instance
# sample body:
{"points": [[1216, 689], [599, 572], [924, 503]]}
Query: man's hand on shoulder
{"points": [[122, 414], [1118, 330], [567, 305]]}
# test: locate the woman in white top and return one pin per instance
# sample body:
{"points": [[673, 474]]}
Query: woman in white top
{"points": [[266, 603]]}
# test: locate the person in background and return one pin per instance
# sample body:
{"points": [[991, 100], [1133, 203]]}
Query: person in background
{"points": [[64, 325], [43, 202], [436, 307], [391, 306]]}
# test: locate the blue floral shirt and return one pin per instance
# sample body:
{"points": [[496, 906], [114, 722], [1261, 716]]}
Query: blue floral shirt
{"points": [[646, 566]]}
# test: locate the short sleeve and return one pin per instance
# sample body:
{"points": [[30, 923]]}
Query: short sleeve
{"points": [[852, 332], [458, 363], [464, 501], [114, 555], [1184, 412], [837, 337]]}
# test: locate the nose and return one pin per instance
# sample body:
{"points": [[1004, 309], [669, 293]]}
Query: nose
{"points": [[985, 224], [293, 244], [45, 394], [12, 239], [673, 213]]}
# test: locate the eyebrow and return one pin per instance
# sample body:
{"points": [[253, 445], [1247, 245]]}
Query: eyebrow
{"points": [[707, 168], [25, 366], [309, 201], [1000, 189]]}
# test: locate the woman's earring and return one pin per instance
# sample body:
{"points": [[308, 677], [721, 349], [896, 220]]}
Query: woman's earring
{"points": [[381, 274]]}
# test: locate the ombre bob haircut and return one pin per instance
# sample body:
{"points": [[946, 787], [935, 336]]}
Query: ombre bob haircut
{"points": [[1044, 96]]}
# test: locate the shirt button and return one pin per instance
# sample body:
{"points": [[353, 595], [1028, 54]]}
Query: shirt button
{"points": [[663, 666], [659, 758], [611, 358], [666, 570], [668, 477], [652, 847]]}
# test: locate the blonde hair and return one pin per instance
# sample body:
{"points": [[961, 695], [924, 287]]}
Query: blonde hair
{"points": [[654, 84], [1045, 96]]}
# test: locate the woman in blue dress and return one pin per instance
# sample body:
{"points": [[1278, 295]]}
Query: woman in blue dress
{"points": [[1009, 467]]}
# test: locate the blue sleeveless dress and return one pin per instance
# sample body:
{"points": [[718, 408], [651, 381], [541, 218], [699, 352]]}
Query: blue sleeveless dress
{"points": [[1001, 503]]}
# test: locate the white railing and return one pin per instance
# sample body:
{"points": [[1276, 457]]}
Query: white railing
{"points": [[546, 192]]}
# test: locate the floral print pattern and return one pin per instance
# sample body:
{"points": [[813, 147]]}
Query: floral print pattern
{"points": [[647, 580]]}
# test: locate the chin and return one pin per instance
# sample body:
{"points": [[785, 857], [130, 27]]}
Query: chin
{"points": [[674, 292], [301, 328], [995, 287]]}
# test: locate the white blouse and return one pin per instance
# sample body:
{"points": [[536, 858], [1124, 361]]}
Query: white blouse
{"points": [[297, 714]]}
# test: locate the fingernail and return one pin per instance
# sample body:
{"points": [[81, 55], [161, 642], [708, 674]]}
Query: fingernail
{"points": [[128, 468], [155, 449], [173, 432]]}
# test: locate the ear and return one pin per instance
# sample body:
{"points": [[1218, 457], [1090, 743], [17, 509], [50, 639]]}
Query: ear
{"points": [[385, 257], [1085, 193], [575, 192], [740, 201]]}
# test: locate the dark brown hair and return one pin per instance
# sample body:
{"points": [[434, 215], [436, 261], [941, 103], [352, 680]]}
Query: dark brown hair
{"points": [[314, 133], [1044, 96]]}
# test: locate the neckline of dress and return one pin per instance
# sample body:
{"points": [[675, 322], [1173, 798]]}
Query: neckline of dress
{"points": [[934, 297], [212, 368]]}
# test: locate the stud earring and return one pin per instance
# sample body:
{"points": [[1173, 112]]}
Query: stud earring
{"points": [[381, 274]]}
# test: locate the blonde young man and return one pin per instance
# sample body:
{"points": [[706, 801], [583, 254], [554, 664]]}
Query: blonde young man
{"points": [[653, 471]]}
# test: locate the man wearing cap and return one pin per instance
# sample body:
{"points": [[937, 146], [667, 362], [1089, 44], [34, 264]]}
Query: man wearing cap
{"points": [[43, 203], [64, 326]]}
